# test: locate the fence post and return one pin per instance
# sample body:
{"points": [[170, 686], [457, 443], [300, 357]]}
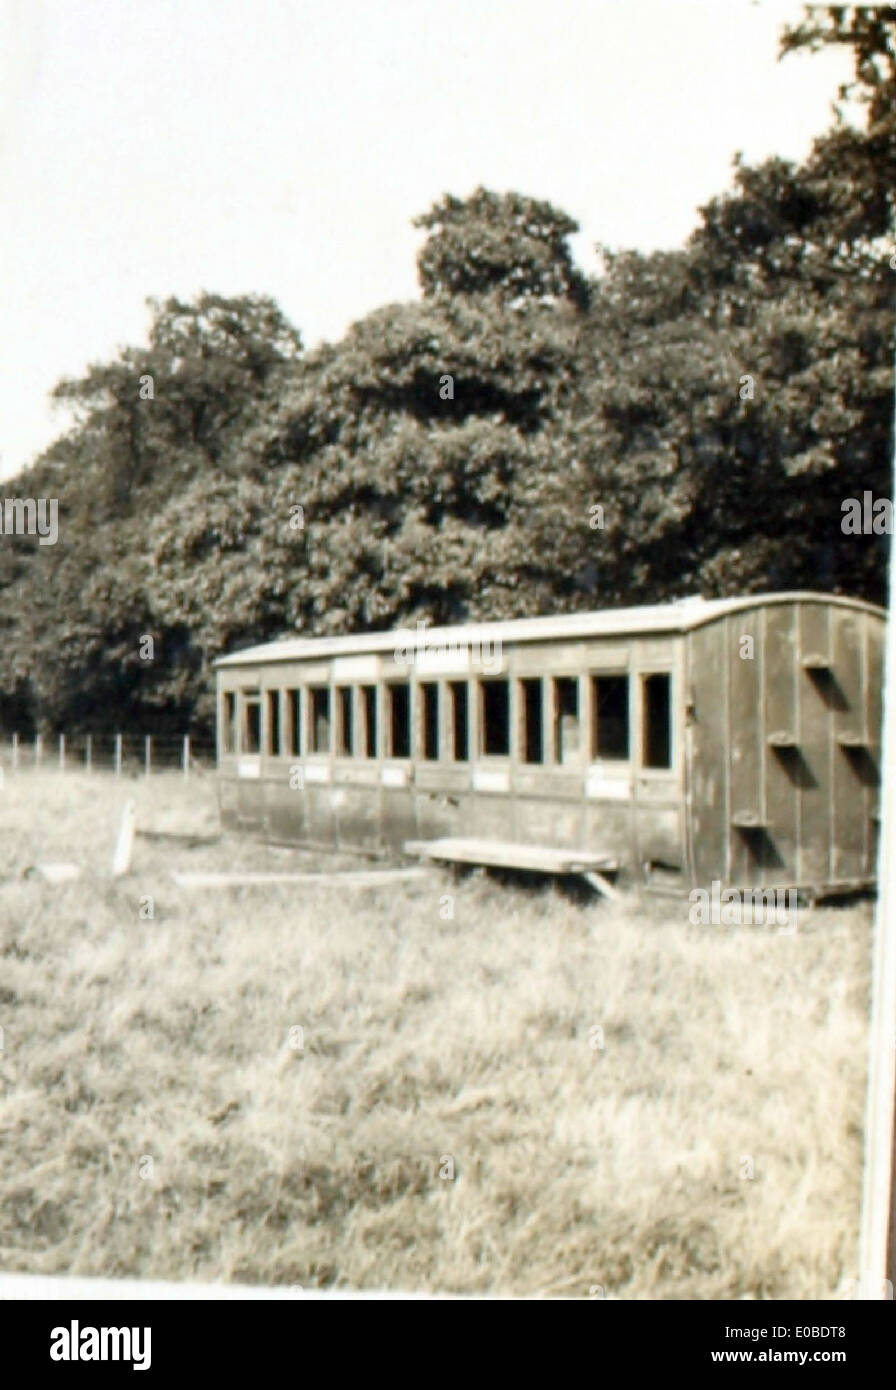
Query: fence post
{"points": [[186, 755], [15, 750], [88, 752], [118, 755], [62, 752], [38, 742], [147, 745]]}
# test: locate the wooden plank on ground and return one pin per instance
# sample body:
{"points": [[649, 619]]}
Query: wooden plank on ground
{"points": [[352, 878], [601, 885], [54, 873], [505, 854]]}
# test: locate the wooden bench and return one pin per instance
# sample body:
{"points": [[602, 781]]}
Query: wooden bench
{"points": [[507, 854]]}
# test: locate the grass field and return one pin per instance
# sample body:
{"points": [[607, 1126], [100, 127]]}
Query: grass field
{"points": [[534, 1097]]}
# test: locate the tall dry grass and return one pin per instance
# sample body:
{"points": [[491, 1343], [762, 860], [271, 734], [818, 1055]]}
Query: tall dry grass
{"points": [[430, 1044]]}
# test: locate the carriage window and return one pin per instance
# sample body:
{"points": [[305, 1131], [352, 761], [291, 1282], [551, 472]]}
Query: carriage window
{"points": [[566, 719], [495, 724], [533, 724], [430, 692], [294, 716], [399, 721], [460, 721], [320, 718], [609, 712], [273, 725], [368, 716], [345, 741], [251, 740], [228, 725], [656, 706]]}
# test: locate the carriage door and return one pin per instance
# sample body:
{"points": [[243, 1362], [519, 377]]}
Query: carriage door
{"points": [[249, 793], [658, 802]]}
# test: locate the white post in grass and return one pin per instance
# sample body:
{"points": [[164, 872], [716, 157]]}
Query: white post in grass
{"points": [[15, 750], [877, 1257], [186, 756], [147, 746], [38, 748], [88, 752], [124, 845], [62, 752], [118, 755]]}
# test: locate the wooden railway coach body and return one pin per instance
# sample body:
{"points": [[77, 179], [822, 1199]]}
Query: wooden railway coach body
{"points": [[735, 740]]}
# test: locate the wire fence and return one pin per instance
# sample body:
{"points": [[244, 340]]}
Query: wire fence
{"points": [[123, 755]]}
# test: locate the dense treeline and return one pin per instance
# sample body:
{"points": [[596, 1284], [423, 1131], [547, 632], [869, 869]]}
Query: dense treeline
{"points": [[521, 440]]}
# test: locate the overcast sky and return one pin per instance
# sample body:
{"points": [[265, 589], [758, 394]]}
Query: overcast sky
{"points": [[281, 146]]}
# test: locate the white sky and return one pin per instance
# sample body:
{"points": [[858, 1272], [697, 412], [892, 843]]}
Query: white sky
{"points": [[282, 146]]}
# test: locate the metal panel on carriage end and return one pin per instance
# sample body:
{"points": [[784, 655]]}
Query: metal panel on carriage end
{"points": [[874, 683], [750, 847], [785, 769], [849, 751], [706, 742], [816, 745]]}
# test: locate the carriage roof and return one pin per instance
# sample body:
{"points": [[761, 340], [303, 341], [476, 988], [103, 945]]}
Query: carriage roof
{"points": [[682, 615]]}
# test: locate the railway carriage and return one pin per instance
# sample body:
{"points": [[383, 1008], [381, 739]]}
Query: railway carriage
{"points": [[672, 745]]}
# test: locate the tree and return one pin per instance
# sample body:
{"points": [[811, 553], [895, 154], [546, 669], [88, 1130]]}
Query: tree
{"points": [[157, 415], [504, 244], [153, 429]]}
